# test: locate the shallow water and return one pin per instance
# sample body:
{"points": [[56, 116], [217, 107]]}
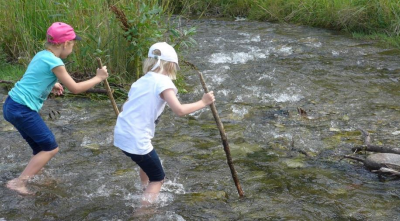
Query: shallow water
{"points": [[261, 73]]}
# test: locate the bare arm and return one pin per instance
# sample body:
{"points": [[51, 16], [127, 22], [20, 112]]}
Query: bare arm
{"points": [[183, 109], [80, 87]]}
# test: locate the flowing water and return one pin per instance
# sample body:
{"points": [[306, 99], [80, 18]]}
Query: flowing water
{"points": [[289, 165]]}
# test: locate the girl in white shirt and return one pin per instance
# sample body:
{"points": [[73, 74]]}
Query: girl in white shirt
{"points": [[135, 125]]}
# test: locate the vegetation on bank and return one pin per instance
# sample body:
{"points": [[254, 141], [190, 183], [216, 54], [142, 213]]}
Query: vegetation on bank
{"points": [[120, 31], [379, 19]]}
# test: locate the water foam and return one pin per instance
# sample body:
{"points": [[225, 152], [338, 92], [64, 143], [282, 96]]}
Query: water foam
{"points": [[239, 111], [238, 57], [285, 97]]}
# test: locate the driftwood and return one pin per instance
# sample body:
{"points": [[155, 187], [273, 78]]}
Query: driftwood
{"points": [[387, 161], [374, 148], [387, 170], [377, 149]]}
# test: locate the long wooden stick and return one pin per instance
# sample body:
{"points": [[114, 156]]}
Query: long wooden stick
{"points": [[109, 92], [221, 131]]}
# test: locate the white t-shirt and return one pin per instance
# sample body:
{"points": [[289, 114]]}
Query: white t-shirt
{"points": [[135, 125]]}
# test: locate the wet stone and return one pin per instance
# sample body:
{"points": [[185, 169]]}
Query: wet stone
{"points": [[378, 160]]}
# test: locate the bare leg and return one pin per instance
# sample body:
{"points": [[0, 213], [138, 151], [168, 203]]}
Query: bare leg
{"points": [[149, 197], [144, 179], [36, 163], [151, 193], [151, 189]]}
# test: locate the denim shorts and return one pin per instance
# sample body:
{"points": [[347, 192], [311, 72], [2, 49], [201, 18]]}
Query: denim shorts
{"points": [[30, 125], [150, 163]]}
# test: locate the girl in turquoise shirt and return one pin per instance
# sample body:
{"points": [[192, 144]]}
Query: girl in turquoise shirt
{"points": [[27, 96]]}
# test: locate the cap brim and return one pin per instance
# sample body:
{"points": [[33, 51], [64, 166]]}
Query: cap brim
{"points": [[77, 38]]}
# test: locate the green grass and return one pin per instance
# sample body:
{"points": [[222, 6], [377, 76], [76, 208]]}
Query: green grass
{"points": [[378, 18], [24, 30], [23, 25], [384, 39], [9, 72]]}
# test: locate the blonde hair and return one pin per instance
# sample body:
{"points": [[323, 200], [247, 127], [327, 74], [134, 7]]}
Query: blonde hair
{"points": [[165, 66]]}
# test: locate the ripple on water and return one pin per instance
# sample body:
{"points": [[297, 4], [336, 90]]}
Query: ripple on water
{"points": [[238, 57], [173, 187], [285, 97]]}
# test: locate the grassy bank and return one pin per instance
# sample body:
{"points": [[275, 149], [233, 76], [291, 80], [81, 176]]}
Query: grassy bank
{"points": [[119, 32], [378, 19], [24, 24]]}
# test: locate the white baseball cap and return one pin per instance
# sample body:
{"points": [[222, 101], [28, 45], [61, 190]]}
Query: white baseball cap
{"points": [[168, 53]]}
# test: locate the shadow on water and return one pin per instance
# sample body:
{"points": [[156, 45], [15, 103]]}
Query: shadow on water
{"points": [[261, 73]]}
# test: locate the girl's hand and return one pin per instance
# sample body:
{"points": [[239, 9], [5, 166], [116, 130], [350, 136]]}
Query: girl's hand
{"points": [[57, 89], [208, 98], [182, 109], [102, 73]]}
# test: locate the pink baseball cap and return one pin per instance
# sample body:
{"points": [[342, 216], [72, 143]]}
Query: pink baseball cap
{"points": [[60, 32]]}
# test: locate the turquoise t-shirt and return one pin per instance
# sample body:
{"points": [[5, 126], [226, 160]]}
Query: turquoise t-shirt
{"points": [[38, 81]]}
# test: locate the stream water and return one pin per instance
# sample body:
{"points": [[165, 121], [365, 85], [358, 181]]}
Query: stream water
{"points": [[261, 74]]}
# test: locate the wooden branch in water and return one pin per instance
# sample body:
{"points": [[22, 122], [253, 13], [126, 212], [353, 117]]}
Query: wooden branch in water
{"points": [[367, 138], [387, 170], [221, 131], [375, 148], [354, 158]]}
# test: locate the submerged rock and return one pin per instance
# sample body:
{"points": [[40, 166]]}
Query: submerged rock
{"points": [[295, 163], [378, 160]]}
